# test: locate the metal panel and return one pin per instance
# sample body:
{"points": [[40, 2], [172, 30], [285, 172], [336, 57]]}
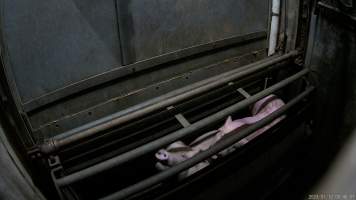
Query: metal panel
{"points": [[120, 72], [65, 58], [127, 92], [52, 43], [76, 39], [151, 28]]}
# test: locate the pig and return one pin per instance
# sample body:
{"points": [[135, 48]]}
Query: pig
{"points": [[178, 152]]}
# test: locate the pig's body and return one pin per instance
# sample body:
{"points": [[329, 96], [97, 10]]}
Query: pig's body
{"points": [[178, 151], [260, 110]]}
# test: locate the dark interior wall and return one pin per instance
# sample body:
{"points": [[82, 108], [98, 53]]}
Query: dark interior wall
{"points": [[331, 56], [333, 51]]}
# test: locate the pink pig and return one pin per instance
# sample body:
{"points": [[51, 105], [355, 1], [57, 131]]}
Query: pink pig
{"points": [[178, 152], [260, 110]]}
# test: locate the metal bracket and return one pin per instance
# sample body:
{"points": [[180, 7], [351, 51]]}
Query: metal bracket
{"points": [[54, 173], [266, 82], [181, 119], [64, 193], [299, 61], [54, 161], [244, 93], [55, 164]]}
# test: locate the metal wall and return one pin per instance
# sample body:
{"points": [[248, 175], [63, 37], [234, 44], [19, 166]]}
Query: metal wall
{"points": [[151, 28], [75, 61], [51, 44], [331, 57], [332, 50]]}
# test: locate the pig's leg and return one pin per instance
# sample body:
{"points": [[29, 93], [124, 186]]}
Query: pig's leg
{"points": [[161, 166], [194, 169]]}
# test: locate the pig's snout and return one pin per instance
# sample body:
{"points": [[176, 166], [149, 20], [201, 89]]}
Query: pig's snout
{"points": [[162, 155]]}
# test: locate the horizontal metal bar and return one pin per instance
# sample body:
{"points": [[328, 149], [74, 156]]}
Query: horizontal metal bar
{"points": [[69, 137], [140, 151], [138, 66], [153, 180]]}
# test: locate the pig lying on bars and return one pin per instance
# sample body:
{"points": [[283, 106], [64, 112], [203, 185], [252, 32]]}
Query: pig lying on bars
{"points": [[178, 151]]}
